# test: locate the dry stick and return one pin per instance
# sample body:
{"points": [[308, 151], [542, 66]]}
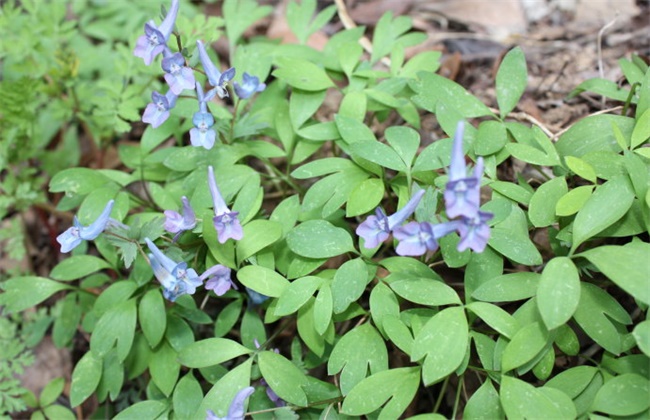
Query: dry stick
{"points": [[601, 72], [602, 111], [526, 117], [350, 24]]}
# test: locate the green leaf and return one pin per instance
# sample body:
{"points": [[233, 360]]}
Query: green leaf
{"points": [[323, 309], [112, 377], [593, 133], [65, 325], [116, 326], [187, 396], [641, 132], [262, 280], [522, 400], [571, 202], [378, 153], [595, 313], [283, 377], [51, 392], [573, 381], [527, 343], [302, 74], [297, 294], [164, 368], [152, 316], [432, 88], [319, 239], [258, 234], [615, 195], [211, 351], [510, 238], [78, 181], [220, 396], [365, 197], [21, 293], [85, 378], [227, 318], [405, 141], [423, 291], [623, 395], [150, 409], [383, 302], [558, 292], [495, 317], [443, 343], [581, 168], [490, 138], [239, 15], [58, 412], [508, 287], [348, 284], [77, 267], [641, 334], [302, 105], [511, 80], [541, 208], [354, 364], [621, 264], [484, 403], [397, 386], [397, 332]]}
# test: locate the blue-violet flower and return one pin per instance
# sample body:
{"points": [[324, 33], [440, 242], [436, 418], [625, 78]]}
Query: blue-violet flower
{"points": [[219, 281], [73, 236], [157, 111], [250, 84], [236, 410], [154, 40], [225, 221], [462, 193], [175, 278], [376, 229], [177, 223], [474, 231], [215, 77], [177, 75], [202, 134]]}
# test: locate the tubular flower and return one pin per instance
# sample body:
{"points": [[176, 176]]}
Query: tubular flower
{"points": [[175, 278], [157, 111], [177, 75], [250, 85], [225, 221], [462, 193], [202, 134], [219, 281], [154, 40], [474, 231], [215, 77], [376, 229], [418, 238], [177, 223], [73, 236], [236, 411]]}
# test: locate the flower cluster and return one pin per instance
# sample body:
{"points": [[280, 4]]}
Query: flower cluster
{"points": [[179, 76], [462, 202]]}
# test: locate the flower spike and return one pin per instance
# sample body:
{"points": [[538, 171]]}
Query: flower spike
{"points": [[462, 193], [154, 40]]}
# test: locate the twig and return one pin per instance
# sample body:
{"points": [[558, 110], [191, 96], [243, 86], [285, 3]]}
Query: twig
{"points": [[602, 111], [601, 72], [526, 117]]}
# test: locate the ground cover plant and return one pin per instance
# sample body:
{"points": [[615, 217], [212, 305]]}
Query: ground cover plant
{"points": [[255, 257]]}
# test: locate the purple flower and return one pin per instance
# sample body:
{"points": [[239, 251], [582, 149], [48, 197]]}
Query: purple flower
{"points": [[225, 221], [462, 193], [157, 111], [218, 279], [177, 75], [215, 77], [175, 278], [418, 238], [236, 410], [376, 229], [250, 84], [73, 236], [177, 223], [202, 134], [474, 231], [154, 40]]}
